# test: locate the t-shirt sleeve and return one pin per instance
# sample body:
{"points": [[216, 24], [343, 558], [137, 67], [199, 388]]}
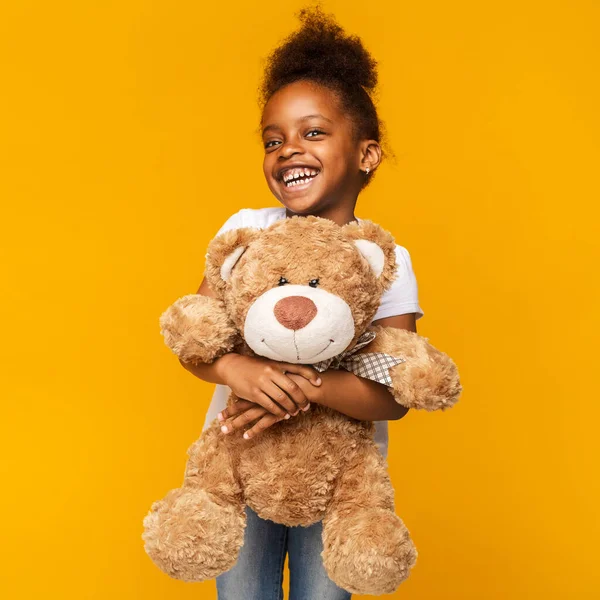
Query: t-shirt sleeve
{"points": [[235, 221], [403, 295]]}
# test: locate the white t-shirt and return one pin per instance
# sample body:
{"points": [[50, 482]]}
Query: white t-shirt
{"points": [[401, 298]]}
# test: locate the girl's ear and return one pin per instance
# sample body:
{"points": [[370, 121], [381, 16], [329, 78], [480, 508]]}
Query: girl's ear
{"points": [[377, 247], [224, 252]]}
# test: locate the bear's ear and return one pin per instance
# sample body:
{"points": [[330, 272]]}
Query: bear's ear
{"points": [[373, 254], [378, 248], [224, 252]]}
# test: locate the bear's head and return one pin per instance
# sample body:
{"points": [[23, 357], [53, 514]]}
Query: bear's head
{"points": [[303, 289]]}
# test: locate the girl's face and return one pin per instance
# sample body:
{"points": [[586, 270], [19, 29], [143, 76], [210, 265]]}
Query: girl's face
{"points": [[304, 128]]}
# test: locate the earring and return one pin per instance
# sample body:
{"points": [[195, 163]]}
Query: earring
{"points": [[367, 170]]}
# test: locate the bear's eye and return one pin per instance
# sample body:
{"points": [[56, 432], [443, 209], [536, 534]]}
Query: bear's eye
{"points": [[313, 282], [282, 281]]}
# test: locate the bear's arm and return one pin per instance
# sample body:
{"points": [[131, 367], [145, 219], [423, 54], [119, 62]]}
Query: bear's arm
{"points": [[426, 379], [406, 321], [197, 327]]}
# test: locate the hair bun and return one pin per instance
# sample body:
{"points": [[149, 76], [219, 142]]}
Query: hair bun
{"points": [[320, 50]]}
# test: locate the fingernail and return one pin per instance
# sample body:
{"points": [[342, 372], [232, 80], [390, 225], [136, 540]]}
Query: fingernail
{"points": [[306, 407], [246, 436], [287, 416], [224, 429], [220, 416], [318, 381]]}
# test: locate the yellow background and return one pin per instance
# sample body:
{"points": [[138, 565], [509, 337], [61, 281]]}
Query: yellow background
{"points": [[128, 136]]}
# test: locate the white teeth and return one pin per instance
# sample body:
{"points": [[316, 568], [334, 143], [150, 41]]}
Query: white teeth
{"points": [[295, 182], [299, 176]]}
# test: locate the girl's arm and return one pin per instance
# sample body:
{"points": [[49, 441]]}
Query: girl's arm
{"points": [[357, 397], [362, 398], [399, 321]]}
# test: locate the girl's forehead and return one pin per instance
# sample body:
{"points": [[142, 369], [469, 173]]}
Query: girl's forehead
{"points": [[301, 100]]}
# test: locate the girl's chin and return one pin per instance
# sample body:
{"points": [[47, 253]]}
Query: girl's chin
{"points": [[303, 205]]}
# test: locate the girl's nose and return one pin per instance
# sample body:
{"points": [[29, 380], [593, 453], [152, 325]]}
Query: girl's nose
{"points": [[295, 312], [289, 148]]}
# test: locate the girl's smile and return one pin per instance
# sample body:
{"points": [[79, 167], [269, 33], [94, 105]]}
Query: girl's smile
{"points": [[298, 179]]}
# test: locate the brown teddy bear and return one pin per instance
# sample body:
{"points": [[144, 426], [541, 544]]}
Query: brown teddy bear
{"points": [[303, 290]]}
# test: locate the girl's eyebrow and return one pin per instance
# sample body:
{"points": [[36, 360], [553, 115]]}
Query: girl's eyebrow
{"points": [[305, 118]]}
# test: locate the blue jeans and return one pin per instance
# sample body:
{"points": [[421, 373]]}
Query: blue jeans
{"points": [[258, 572]]}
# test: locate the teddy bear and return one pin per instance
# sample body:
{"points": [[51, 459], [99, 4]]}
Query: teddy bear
{"points": [[303, 290]]}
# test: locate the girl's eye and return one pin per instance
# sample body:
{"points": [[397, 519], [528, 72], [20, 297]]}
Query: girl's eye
{"points": [[315, 131], [282, 281], [313, 282]]}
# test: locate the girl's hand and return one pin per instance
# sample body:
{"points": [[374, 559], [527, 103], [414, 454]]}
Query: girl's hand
{"points": [[247, 411], [264, 382]]}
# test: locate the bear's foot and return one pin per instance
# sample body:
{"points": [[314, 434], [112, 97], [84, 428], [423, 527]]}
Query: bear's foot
{"points": [[191, 537], [368, 552]]}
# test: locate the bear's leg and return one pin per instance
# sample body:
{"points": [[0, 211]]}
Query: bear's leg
{"points": [[366, 547], [195, 533]]}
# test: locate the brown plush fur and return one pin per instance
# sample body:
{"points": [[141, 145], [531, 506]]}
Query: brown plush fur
{"points": [[192, 315], [320, 465], [428, 377]]}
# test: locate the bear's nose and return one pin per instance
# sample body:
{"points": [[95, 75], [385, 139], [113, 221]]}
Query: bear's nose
{"points": [[295, 312]]}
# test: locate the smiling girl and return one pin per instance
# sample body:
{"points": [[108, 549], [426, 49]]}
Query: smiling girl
{"points": [[322, 145]]}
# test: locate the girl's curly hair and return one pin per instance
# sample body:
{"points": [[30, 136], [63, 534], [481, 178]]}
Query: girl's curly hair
{"points": [[322, 52]]}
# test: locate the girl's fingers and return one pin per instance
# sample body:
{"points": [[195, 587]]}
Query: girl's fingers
{"points": [[309, 373], [262, 424], [244, 419], [292, 388], [236, 408], [266, 402], [277, 394]]}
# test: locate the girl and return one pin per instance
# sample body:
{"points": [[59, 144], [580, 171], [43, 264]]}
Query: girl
{"points": [[321, 137]]}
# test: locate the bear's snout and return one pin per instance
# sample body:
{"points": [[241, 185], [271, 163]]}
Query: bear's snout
{"points": [[295, 312]]}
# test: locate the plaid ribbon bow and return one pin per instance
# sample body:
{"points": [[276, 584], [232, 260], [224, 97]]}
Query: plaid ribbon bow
{"points": [[371, 365]]}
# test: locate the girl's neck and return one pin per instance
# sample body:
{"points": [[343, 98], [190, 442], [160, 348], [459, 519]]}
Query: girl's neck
{"points": [[338, 214]]}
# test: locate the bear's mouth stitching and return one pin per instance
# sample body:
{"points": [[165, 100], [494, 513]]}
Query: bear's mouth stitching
{"points": [[297, 355], [320, 351]]}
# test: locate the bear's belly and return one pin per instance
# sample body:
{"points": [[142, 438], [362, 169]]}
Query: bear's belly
{"points": [[289, 471]]}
